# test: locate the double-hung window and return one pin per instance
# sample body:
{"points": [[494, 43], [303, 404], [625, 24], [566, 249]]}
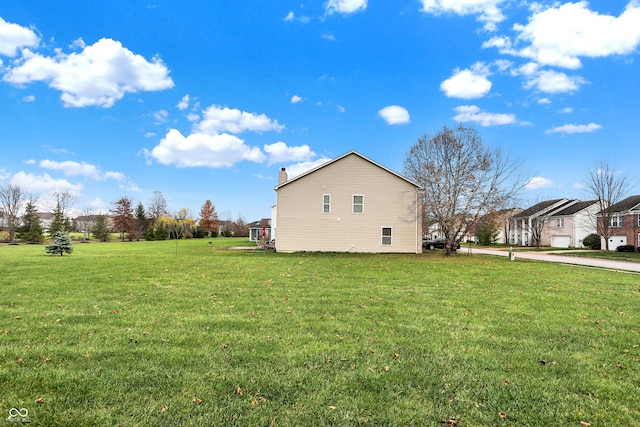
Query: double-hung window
{"points": [[387, 236], [560, 222], [358, 204], [326, 203], [616, 221]]}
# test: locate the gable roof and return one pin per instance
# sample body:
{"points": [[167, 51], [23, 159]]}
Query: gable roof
{"points": [[337, 159], [628, 204], [575, 208], [543, 206]]}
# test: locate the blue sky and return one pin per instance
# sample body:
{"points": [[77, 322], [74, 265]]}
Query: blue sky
{"points": [[209, 99]]}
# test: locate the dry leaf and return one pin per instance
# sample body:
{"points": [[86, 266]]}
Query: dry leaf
{"points": [[396, 355], [386, 368], [503, 415], [39, 400], [164, 409], [20, 360], [506, 382], [239, 391], [254, 402], [197, 401], [332, 407], [585, 424]]}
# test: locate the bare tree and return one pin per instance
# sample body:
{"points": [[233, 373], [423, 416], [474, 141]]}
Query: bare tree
{"points": [[157, 207], [462, 179], [86, 222], [11, 200], [608, 188]]}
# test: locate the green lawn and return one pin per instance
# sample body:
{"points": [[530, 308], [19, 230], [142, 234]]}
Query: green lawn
{"points": [[133, 334]]}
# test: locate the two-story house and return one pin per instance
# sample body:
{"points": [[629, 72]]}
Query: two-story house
{"points": [[624, 223], [348, 204]]}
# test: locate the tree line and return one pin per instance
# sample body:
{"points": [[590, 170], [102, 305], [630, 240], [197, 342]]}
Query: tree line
{"points": [[21, 218]]}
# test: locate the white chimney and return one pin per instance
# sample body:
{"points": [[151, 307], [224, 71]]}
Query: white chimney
{"points": [[282, 176]]}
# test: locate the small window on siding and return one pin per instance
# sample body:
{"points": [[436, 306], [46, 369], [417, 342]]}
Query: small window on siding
{"points": [[326, 203], [358, 203], [560, 222], [387, 236]]}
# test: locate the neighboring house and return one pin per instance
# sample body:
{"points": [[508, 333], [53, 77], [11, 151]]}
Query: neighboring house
{"points": [[624, 226], [567, 227], [527, 227], [258, 228], [349, 204]]}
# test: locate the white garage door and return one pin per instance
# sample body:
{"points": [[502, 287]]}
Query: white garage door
{"points": [[560, 241], [615, 241]]}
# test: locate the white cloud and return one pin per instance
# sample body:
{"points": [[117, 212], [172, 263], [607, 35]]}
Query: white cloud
{"points": [[341, 109], [295, 99], [300, 168], [218, 119], [279, 152], [160, 116], [395, 115], [472, 113], [488, 11], [538, 182], [44, 184], [571, 128], [566, 110], [99, 75], [345, 6], [544, 101], [29, 98], [14, 37], [184, 103], [200, 149], [468, 83], [71, 168], [548, 81], [290, 16], [561, 34]]}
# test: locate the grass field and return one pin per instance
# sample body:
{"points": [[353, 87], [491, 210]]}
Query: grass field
{"points": [[134, 334]]}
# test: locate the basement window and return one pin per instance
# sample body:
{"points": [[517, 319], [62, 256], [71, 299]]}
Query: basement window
{"points": [[387, 236]]}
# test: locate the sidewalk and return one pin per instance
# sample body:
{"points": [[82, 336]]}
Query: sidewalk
{"points": [[590, 262]]}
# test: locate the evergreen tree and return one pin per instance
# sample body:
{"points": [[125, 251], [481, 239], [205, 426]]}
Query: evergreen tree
{"points": [[142, 225], [60, 221], [61, 244], [101, 228], [31, 230]]}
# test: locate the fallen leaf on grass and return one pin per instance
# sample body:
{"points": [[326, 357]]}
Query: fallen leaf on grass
{"points": [[239, 391], [332, 407], [164, 409], [254, 402], [585, 424], [40, 400], [197, 401], [506, 382], [503, 415]]}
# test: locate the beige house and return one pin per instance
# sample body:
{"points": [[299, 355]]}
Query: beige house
{"points": [[349, 204]]}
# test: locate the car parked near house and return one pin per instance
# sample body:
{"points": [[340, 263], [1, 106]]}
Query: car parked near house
{"points": [[435, 244]]}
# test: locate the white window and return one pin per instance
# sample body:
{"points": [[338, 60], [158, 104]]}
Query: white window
{"points": [[358, 203], [387, 236], [616, 221], [326, 203], [560, 222], [638, 220]]}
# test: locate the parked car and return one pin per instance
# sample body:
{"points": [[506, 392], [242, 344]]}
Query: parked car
{"points": [[435, 244]]}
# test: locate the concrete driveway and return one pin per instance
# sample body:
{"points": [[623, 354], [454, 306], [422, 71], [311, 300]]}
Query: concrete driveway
{"points": [[590, 262]]}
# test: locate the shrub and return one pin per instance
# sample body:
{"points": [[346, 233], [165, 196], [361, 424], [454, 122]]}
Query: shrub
{"points": [[626, 248], [592, 241]]}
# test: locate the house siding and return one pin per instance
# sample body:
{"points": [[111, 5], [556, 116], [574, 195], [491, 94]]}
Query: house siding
{"points": [[389, 201]]}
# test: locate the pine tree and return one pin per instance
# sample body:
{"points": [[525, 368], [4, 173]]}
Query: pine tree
{"points": [[142, 225], [61, 244], [60, 221], [31, 230], [101, 228]]}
